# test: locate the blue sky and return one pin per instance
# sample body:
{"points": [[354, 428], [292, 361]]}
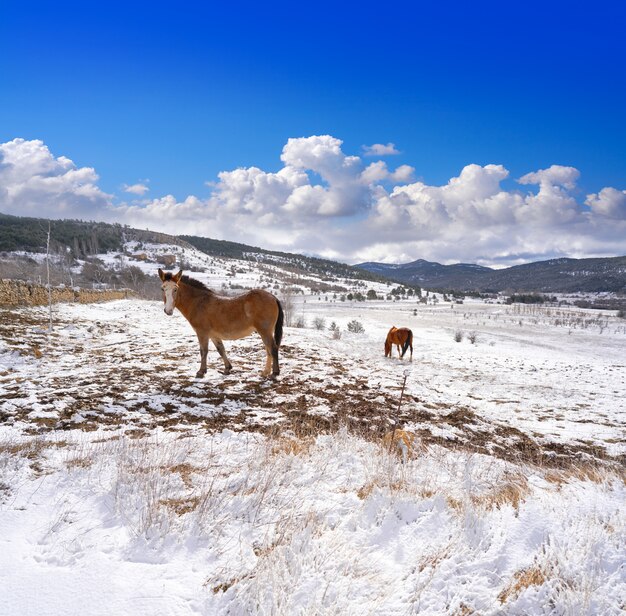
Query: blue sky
{"points": [[170, 95]]}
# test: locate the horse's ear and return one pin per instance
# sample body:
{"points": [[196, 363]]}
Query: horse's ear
{"points": [[178, 276], [161, 274]]}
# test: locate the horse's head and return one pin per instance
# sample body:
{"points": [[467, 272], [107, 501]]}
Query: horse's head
{"points": [[389, 341], [170, 289]]}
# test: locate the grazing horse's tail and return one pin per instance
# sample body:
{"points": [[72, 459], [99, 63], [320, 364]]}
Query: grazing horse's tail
{"points": [[408, 342], [278, 329]]}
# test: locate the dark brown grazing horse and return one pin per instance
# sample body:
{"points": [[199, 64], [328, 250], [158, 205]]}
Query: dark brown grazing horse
{"points": [[218, 318], [401, 337]]}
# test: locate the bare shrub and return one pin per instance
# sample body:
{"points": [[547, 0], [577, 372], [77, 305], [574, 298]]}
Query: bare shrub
{"points": [[288, 304], [458, 335], [472, 337], [319, 323]]}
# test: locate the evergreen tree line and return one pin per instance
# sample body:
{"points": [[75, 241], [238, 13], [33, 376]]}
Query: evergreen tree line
{"points": [[79, 238]]}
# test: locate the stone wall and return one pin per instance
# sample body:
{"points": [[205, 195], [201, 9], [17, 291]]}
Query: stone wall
{"points": [[21, 293]]}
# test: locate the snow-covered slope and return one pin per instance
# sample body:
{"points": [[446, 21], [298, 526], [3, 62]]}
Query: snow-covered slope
{"points": [[127, 486], [227, 275]]}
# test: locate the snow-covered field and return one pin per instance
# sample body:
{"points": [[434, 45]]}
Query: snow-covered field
{"points": [[128, 486]]}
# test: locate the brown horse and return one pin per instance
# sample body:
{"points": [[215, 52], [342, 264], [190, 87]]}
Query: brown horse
{"points": [[401, 337], [225, 318]]}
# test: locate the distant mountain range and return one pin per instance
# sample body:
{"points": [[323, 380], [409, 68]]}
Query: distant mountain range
{"points": [[552, 276]]}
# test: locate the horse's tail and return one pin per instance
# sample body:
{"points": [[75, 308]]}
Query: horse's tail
{"points": [[278, 328], [408, 342]]}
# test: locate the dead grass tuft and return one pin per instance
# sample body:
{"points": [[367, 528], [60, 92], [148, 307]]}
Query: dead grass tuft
{"points": [[454, 503], [432, 561], [532, 576], [181, 506], [185, 471], [30, 449], [583, 472], [79, 462], [394, 486], [224, 586], [511, 492], [365, 490], [405, 444], [288, 445]]}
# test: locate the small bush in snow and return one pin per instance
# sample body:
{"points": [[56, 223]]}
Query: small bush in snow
{"points": [[355, 327], [336, 334], [319, 323], [472, 337], [458, 335], [300, 322]]}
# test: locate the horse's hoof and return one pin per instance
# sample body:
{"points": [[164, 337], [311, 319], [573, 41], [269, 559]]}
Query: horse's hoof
{"points": [[200, 374]]}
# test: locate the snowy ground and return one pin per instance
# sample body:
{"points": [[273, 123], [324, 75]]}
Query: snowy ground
{"points": [[128, 486]]}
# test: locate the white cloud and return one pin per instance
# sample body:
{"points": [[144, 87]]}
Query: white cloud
{"points": [[136, 189], [471, 218], [608, 202], [35, 183], [379, 149], [554, 203], [556, 175], [378, 172], [323, 201]]}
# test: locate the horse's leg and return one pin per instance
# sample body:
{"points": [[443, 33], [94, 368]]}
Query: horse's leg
{"points": [[399, 350], [219, 345], [204, 349], [271, 358]]}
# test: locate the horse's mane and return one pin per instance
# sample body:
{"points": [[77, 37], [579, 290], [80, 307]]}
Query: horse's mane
{"points": [[192, 282]]}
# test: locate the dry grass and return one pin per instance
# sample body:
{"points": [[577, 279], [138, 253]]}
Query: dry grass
{"points": [[30, 449], [291, 445], [464, 610], [181, 506], [584, 472], [185, 471], [433, 560], [405, 444], [511, 492], [393, 487], [532, 576], [79, 462]]}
